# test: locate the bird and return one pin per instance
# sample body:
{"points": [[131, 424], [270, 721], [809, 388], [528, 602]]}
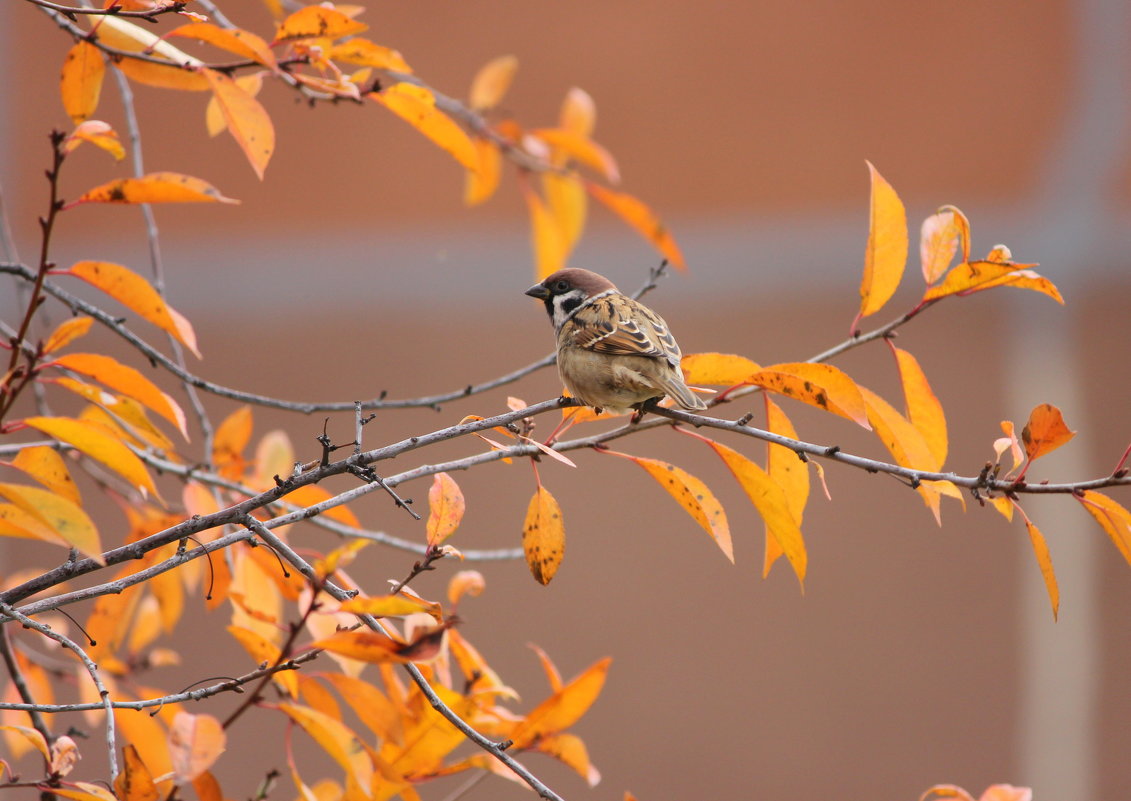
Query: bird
{"points": [[614, 353]]}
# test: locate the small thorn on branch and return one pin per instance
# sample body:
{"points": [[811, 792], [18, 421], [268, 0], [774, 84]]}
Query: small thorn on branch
{"points": [[833, 450], [746, 418]]}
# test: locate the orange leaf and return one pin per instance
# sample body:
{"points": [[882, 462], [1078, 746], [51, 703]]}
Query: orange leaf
{"points": [[32, 736], [480, 184], [339, 558], [886, 252], [1044, 561], [98, 444], [372, 706], [446, 506], [15, 522], [98, 134], [312, 494], [641, 218], [578, 112], [156, 187], [385, 606], [546, 236], [135, 782], [582, 149], [136, 294], [1009, 442], [231, 438], [553, 676], [1027, 279], [234, 40], [564, 708], [570, 751], [182, 72], [266, 653], [67, 332], [186, 79], [1045, 431], [372, 646], [465, 582], [46, 466], [247, 120], [693, 495], [317, 22], [122, 416], [939, 239], [195, 743], [543, 535], [820, 385], [719, 369], [84, 791], [492, 82], [923, 407], [974, 276], [1113, 518], [367, 54], [772, 504], [566, 203], [905, 443], [336, 739], [417, 106], [789, 473], [81, 81], [128, 381], [206, 787]]}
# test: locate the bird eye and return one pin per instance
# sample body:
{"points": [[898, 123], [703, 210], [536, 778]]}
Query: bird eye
{"points": [[561, 286]]}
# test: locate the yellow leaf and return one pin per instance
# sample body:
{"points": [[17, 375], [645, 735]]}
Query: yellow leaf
{"points": [[32, 736], [417, 106], [336, 739], [46, 466], [64, 517], [385, 606], [156, 187], [820, 385], [367, 54], [98, 134], [446, 506], [1026, 279], [905, 443], [772, 504], [923, 407], [372, 706], [1045, 431], [582, 149], [195, 743], [578, 112], [543, 535], [135, 782], [372, 646], [232, 436], [564, 708], [128, 381], [312, 494], [147, 733], [95, 442], [974, 276], [84, 791], [492, 82], [81, 81], [693, 495], [480, 184], [214, 121], [124, 417], [1113, 518], [67, 332], [788, 472], [186, 79], [265, 652], [234, 40], [546, 236], [718, 369], [247, 120], [1009, 442], [136, 294], [317, 22], [566, 203], [15, 522], [939, 240], [1044, 560], [642, 219], [886, 251]]}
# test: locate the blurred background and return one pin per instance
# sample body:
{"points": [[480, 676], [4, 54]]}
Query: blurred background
{"points": [[916, 654]]}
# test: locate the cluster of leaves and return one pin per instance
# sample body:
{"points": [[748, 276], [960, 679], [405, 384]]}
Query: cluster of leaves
{"points": [[233, 503]]}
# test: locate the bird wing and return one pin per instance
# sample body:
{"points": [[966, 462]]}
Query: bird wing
{"points": [[618, 325]]}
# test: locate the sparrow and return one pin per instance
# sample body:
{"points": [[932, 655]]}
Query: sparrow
{"points": [[614, 353]]}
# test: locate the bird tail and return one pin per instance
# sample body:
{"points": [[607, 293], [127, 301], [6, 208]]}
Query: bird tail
{"points": [[684, 397]]}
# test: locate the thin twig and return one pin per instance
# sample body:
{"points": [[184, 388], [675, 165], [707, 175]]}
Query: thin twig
{"points": [[111, 11], [21, 685]]}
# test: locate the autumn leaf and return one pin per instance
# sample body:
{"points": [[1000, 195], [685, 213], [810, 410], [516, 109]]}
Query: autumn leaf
{"points": [[84, 791], [491, 82], [939, 239], [156, 187], [312, 494], [789, 472], [546, 236], [265, 652], [564, 708], [363, 52], [642, 219], [135, 782], [1045, 431], [95, 442], [582, 149], [386, 606], [543, 535], [195, 743], [372, 646], [480, 184], [1113, 518], [234, 40], [232, 436], [446, 506], [886, 252], [923, 407], [578, 112], [128, 381], [417, 106], [247, 120], [318, 22], [81, 81], [137, 295], [335, 738], [973, 276], [718, 369], [566, 203], [1044, 561], [98, 134], [46, 466], [693, 495], [339, 558], [32, 736], [373, 707], [820, 385], [66, 333]]}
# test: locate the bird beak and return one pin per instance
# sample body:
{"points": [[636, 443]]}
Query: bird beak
{"points": [[538, 291]]}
